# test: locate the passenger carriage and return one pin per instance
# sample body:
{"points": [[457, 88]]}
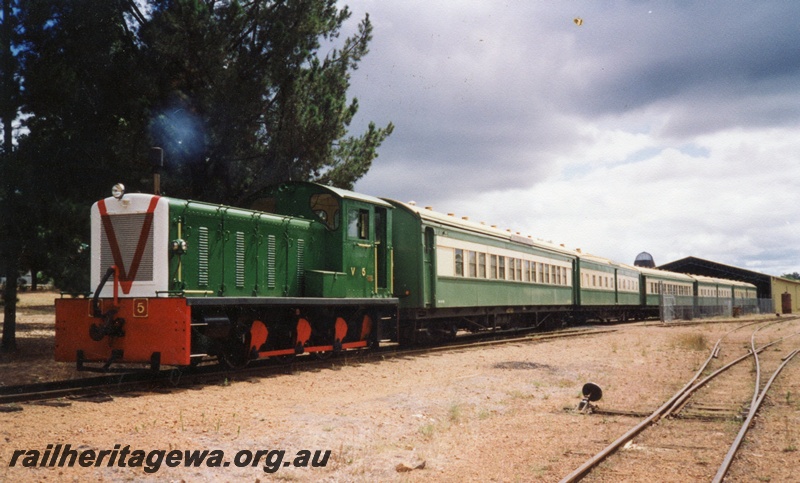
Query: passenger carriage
{"points": [[674, 289], [607, 289], [457, 274]]}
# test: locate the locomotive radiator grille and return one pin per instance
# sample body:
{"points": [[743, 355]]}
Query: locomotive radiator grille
{"points": [[127, 233], [239, 259], [271, 261], [300, 261], [202, 254]]}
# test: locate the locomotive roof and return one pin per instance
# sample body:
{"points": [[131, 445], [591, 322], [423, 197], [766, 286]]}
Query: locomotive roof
{"points": [[351, 195], [430, 216]]}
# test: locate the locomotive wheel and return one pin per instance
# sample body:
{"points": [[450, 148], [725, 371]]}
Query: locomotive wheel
{"points": [[233, 359], [235, 350]]}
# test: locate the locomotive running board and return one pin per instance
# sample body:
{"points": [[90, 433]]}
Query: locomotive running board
{"points": [[288, 301]]}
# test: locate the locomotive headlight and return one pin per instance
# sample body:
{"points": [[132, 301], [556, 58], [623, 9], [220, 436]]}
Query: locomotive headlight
{"points": [[179, 246], [118, 191]]}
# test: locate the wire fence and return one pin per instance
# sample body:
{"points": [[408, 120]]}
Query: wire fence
{"points": [[670, 310]]}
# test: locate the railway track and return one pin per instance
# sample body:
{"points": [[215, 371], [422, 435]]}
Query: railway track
{"points": [[681, 398], [104, 388]]}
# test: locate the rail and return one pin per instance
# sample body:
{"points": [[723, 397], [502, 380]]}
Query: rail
{"points": [[670, 406]]}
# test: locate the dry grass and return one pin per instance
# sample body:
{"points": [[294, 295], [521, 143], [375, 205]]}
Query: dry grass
{"points": [[690, 341]]}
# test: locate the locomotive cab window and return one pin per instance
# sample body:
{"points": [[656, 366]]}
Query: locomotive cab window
{"points": [[326, 207], [358, 224]]}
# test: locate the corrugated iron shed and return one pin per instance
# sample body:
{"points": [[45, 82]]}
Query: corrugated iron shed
{"points": [[698, 266]]}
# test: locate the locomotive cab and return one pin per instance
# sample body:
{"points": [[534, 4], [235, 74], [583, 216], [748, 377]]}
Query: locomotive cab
{"points": [[358, 254]]}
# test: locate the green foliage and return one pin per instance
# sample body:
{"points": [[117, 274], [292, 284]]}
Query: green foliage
{"points": [[243, 100], [791, 276], [236, 93]]}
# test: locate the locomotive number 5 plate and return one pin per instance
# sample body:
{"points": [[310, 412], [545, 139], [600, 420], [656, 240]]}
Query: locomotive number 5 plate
{"points": [[140, 307]]}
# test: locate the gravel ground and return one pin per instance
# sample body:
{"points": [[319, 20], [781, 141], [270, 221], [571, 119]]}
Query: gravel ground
{"points": [[500, 413]]}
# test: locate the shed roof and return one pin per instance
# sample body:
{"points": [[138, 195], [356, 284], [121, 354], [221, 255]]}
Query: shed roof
{"points": [[698, 266]]}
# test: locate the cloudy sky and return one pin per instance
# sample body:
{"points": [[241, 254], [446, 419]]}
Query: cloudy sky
{"points": [[667, 127]]}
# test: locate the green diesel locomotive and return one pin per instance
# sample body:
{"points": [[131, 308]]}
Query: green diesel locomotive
{"points": [[178, 281]]}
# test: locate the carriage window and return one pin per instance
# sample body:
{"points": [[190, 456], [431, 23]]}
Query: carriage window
{"points": [[459, 262], [493, 267], [358, 224], [501, 268], [511, 271], [473, 264], [482, 265]]}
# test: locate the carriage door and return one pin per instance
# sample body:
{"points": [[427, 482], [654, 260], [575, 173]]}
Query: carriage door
{"points": [[429, 262]]}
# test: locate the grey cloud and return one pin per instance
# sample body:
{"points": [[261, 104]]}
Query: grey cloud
{"points": [[488, 97]]}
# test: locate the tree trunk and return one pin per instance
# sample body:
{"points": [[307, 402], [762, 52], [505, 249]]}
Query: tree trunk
{"points": [[9, 343], [10, 245]]}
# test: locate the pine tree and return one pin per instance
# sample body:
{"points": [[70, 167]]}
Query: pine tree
{"points": [[238, 94], [10, 243], [244, 99]]}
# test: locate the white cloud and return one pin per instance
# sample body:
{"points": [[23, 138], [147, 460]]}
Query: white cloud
{"points": [[732, 205]]}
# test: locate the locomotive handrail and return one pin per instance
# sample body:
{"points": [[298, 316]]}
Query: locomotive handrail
{"points": [[96, 312], [198, 292]]}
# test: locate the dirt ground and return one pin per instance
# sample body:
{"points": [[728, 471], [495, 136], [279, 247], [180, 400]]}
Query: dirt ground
{"points": [[498, 413]]}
